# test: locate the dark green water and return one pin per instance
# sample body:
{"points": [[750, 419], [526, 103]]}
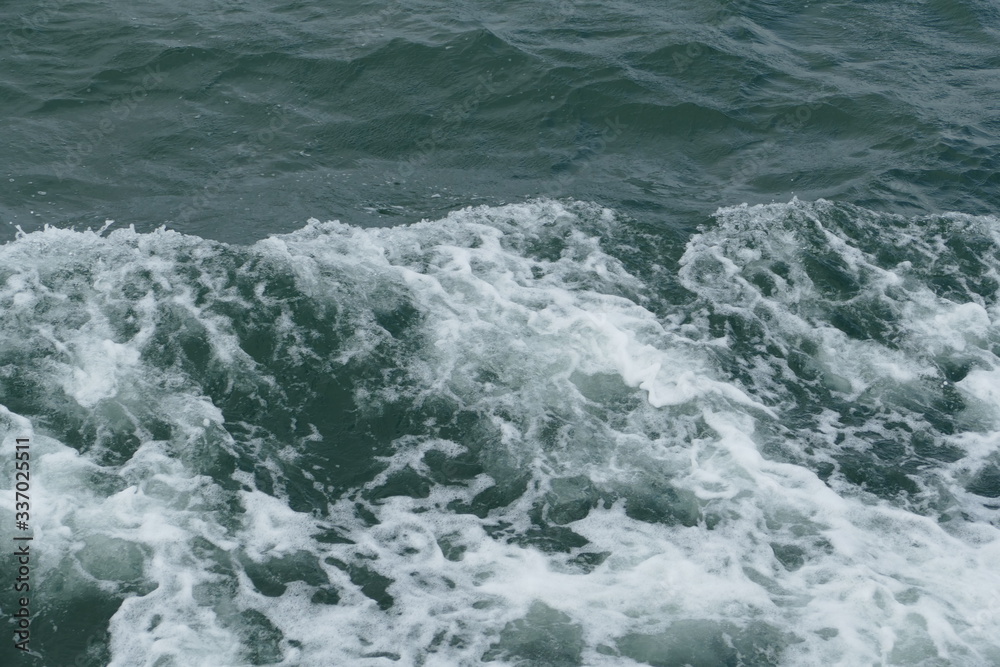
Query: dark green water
{"points": [[649, 333], [234, 120]]}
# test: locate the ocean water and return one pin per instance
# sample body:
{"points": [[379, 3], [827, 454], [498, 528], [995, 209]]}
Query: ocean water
{"points": [[524, 334]]}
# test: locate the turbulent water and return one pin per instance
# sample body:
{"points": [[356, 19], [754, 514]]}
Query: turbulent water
{"points": [[556, 383]]}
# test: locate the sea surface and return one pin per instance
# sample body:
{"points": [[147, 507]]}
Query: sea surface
{"points": [[545, 334]]}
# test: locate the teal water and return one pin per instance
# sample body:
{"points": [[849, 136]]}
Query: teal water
{"points": [[517, 333], [233, 120]]}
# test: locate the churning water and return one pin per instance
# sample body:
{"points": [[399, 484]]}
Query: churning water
{"points": [[548, 393]]}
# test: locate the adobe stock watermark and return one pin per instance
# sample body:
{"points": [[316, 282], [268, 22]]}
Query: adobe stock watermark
{"points": [[693, 51], [26, 599], [93, 654], [119, 110], [786, 123], [220, 181], [32, 24], [381, 17], [561, 8], [451, 120], [612, 130]]}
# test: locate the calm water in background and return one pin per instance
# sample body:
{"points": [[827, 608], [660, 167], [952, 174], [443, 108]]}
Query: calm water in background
{"points": [[607, 416], [235, 120]]}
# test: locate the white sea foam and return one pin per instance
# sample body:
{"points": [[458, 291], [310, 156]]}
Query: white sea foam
{"points": [[703, 470]]}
